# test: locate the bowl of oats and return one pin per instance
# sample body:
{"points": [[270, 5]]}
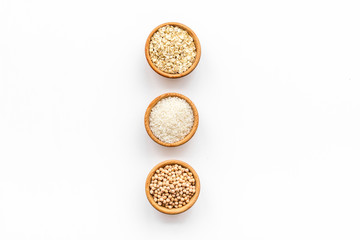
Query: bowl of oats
{"points": [[172, 50], [172, 187]]}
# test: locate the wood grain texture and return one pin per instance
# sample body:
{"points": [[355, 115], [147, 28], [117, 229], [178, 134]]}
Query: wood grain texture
{"points": [[147, 120], [197, 45], [176, 210]]}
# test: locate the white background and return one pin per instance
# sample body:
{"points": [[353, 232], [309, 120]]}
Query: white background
{"points": [[278, 145]]}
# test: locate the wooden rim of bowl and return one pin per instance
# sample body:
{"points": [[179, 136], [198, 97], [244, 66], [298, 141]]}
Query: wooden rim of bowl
{"points": [[197, 45], [175, 210], [147, 120]]}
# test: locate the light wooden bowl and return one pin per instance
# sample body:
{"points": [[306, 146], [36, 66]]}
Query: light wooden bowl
{"points": [[147, 120], [197, 45], [175, 210]]}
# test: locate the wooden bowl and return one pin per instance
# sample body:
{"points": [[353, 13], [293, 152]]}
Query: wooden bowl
{"points": [[175, 210], [197, 45], [147, 120]]}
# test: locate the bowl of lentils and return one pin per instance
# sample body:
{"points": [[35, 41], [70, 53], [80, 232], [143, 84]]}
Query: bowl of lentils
{"points": [[172, 50], [171, 119], [172, 187]]}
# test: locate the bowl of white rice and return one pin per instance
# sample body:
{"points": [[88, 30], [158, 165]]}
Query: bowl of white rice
{"points": [[171, 119]]}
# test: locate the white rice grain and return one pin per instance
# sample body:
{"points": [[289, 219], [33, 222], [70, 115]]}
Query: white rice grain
{"points": [[171, 119]]}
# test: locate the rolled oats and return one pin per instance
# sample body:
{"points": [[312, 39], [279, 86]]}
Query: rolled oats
{"points": [[172, 49]]}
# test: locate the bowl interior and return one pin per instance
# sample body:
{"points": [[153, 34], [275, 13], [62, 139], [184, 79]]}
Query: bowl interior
{"points": [[176, 210], [147, 120], [197, 45]]}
